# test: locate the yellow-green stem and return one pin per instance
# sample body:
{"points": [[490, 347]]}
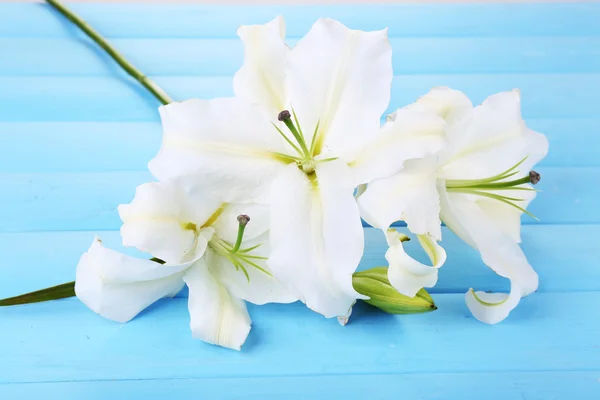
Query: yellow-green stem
{"points": [[152, 87]]}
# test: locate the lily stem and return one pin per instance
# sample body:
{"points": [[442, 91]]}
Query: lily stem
{"points": [[52, 293], [152, 87]]}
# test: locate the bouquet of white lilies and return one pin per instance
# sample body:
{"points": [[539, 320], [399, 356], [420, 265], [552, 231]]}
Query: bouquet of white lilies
{"points": [[260, 197]]}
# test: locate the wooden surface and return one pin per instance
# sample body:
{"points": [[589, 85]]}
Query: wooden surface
{"points": [[76, 135]]}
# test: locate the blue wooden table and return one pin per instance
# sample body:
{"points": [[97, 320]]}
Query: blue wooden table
{"points": [[75, 137]]}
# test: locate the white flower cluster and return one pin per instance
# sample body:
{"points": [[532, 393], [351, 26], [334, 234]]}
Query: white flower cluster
{"points": [[260, 196]]}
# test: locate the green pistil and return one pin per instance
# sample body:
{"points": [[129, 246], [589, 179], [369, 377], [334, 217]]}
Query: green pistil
{"points": [[240, 258], [481, 187], [493, 186], [306, 161], [289, 142], [286, 118], [243, 221]]}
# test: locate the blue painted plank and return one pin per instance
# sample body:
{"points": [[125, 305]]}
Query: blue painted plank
{"points": [[176, 20], [120, 99], [422, 386], [128, 146], [35, 260], [64, 341], [78, 146], [71, 137], [88, 201], [41, 56]]}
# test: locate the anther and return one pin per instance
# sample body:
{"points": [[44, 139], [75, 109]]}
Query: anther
{"points": [[534, 177], [284, 115]]}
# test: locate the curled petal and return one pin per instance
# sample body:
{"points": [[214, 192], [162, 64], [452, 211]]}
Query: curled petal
{"points": [[261, 80], [216, 316], [492, 308], [406, 274], [411, 135], [223, 144], [341, 79], [118, 286], [316, 236], [410, 195]]}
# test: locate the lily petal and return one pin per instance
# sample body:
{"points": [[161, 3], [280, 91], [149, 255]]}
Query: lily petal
{"points": [[216, 316], [157, 222], [504, 216], [450, 104], [341, 79], [498, 250], [492, 308], [261, 80], [411, 196], [316, 236], [223, 144], [411, 135], [406, 274], [260, 287], [118, 286], [492, 139]]}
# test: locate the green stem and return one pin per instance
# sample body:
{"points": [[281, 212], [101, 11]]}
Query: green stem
{"points": [[52, 293], [152, 87]]}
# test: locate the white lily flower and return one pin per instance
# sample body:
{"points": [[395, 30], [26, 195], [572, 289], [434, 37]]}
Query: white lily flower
{"points": [[406, 274], [207, 246], [478, 185], [305, 163]]}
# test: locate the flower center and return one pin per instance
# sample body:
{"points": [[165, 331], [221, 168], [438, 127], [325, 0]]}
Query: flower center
{"points": [[494, 186], [306, 154], [240, 258]]}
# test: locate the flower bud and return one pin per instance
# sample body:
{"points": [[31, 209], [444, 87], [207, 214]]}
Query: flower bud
{"points": [[375, 284]]}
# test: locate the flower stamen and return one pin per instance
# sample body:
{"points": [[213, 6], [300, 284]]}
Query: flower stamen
{"points": [[240, 258], [486, 187]]}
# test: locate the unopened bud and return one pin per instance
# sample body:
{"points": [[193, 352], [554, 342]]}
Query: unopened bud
{"points": [[534, 177], [243, 219], [285, 114], [375, 284]]}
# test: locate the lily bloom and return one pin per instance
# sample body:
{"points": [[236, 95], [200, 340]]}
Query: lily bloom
{"points": [[478, 185], [301, 134], [210, 246]]}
